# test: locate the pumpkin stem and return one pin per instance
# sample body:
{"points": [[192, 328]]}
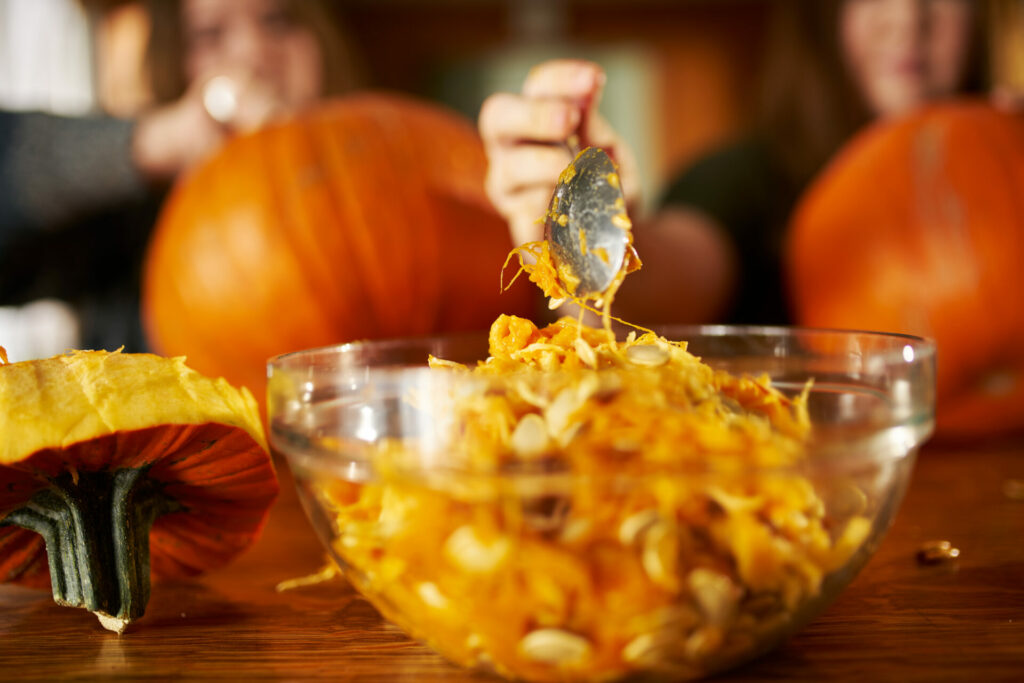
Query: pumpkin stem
{"points": [[96, 528]]}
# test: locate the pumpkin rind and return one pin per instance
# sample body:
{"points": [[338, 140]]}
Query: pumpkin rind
{"points": [[125, 463]]}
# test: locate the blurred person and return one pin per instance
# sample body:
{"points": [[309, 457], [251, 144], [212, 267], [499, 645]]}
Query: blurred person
{"points": [[79, 195], [712, 250]]}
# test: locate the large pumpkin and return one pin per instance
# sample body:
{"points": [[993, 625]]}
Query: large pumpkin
{"points": [[364, 218], [918, 227]]}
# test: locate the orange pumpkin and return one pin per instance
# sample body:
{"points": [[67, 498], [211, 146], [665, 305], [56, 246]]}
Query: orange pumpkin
{"points": [[364, 218], [918, 226], [113, 466]]}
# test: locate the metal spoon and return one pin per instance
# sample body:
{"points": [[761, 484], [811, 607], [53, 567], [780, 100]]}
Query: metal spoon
{"points": [[586, 225]]}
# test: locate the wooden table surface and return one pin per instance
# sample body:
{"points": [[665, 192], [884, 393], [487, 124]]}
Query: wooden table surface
{"points": [[898, 621]]}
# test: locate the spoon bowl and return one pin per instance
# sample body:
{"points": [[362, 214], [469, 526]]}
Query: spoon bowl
{"points": [[586, 225]]}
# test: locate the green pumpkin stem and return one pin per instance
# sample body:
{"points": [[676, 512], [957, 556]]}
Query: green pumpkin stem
{"points": [[96, 528]]}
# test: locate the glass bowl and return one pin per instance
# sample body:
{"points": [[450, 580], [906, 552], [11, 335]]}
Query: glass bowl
{"points": [[544, 571]]}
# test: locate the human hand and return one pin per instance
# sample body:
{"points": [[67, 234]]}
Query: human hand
{"points": [[241, 102], [527, 139], [176, 136]]}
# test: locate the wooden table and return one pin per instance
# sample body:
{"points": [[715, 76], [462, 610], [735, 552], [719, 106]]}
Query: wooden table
{"points": [[898, 621]]}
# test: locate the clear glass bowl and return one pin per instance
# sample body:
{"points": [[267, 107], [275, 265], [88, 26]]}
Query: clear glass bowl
{"points": [[545, 573]]}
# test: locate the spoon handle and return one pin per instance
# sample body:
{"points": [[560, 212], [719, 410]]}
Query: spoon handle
{"points": [[578, 140]]}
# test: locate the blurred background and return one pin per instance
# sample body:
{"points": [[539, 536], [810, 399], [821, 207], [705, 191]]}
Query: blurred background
{"points": [[682, 73], [683, 77]]}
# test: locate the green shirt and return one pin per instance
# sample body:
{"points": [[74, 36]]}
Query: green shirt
{"points": [[744, 190]]}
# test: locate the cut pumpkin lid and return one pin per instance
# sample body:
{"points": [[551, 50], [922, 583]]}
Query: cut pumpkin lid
{"points": [[116, 464]]}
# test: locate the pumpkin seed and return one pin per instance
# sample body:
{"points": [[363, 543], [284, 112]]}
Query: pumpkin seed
{"points": [[567, 435], [660, 555], [576, 530], [632, 527], [526, 392], [703, 642], [735, 503], [646, 650], [530, 439], [474, 641], [715, 594], [431, 595], [465, 549], [561, 410], [647, 355], [937, 552], [554, 646], [588, 386]]}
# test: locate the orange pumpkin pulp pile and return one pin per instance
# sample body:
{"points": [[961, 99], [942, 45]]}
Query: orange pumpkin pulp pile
{"points": [[603, 508]]}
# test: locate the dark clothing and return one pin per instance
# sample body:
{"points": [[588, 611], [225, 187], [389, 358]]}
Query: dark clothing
{"points": [[745, 191], [75, 216]]}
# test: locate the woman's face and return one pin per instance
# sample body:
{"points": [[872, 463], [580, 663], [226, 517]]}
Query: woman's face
{"points": [[903, 53], [257, 38]]}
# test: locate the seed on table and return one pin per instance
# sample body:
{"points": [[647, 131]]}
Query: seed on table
{"points": [[937, 552]]}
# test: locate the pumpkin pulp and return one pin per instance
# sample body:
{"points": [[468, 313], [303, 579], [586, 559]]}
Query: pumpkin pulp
{"points": [[96, 528]]}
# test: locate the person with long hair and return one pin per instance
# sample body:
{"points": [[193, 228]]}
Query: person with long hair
{"points": [[219, 67], [712, 249], [79, 195]]}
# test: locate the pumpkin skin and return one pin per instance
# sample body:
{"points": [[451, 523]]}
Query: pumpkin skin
{"points": [[363, 218], [117, 466], [917, 226]]}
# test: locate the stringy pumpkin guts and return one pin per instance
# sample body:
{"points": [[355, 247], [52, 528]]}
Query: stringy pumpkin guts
{"points": [[607, 507]]}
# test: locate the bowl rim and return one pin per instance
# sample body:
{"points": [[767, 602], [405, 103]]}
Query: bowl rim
{"points": [[925, 348], [889, 442]]}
